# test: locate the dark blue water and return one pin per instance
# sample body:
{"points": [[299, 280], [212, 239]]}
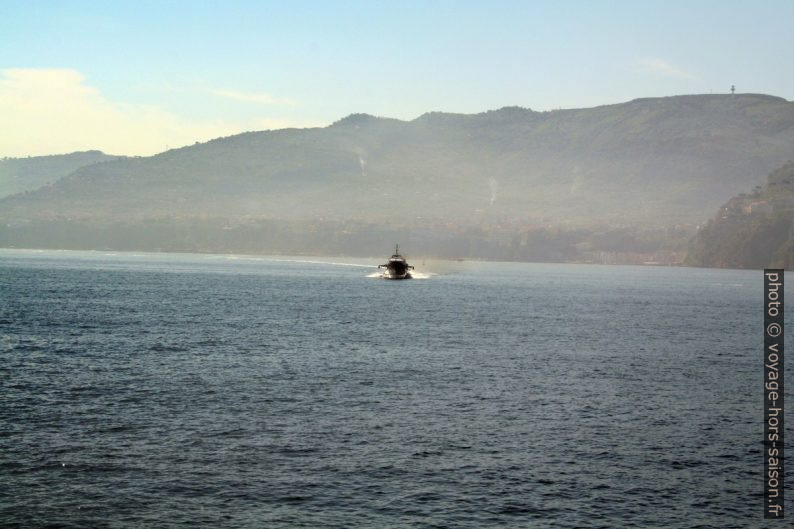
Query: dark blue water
{"points": [[202, 391]]}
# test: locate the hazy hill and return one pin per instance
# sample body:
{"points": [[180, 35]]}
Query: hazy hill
{"points": [[751, 230], [26, 174], [649, 162]]}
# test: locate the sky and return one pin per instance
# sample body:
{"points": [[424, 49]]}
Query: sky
{"points": [[137, 78]]}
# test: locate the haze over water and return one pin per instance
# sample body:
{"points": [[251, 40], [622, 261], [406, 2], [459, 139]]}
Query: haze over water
{"points": [[155, 390]]}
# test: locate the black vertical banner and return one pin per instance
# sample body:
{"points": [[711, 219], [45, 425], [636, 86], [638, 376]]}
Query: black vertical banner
{"points": [[774, 425]]}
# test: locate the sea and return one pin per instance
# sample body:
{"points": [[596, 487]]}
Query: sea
{"points": [[209, 391]]}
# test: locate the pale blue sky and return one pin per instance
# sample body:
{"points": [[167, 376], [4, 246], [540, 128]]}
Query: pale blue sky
{"points": [[195, 70]]}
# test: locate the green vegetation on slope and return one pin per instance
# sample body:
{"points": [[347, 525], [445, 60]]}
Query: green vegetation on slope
{"points": [[754, 230]]}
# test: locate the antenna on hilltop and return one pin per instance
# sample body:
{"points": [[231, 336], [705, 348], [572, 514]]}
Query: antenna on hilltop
{"points": [[733, 89]]}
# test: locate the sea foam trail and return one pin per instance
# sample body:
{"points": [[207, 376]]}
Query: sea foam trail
{"points": [[307, 261], [321, 262], [414, 275]]}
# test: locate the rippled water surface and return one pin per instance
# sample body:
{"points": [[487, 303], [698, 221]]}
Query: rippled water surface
{"points": [[206, 391]]}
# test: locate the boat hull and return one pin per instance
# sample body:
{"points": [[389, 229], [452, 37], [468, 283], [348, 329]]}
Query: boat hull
{"points": [[387, 275]]}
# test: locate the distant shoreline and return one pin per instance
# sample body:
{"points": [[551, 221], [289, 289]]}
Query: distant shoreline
{"points": [[275, 256]]}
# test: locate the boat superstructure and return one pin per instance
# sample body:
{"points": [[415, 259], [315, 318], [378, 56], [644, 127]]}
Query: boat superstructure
{"points": [[397, 267]]}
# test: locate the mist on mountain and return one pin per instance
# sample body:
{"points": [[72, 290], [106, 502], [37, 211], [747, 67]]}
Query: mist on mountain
{"points": [[511, 183]]}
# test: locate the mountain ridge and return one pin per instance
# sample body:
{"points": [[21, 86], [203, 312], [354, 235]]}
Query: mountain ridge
{"points": [[652, 162], [19, 174]]}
